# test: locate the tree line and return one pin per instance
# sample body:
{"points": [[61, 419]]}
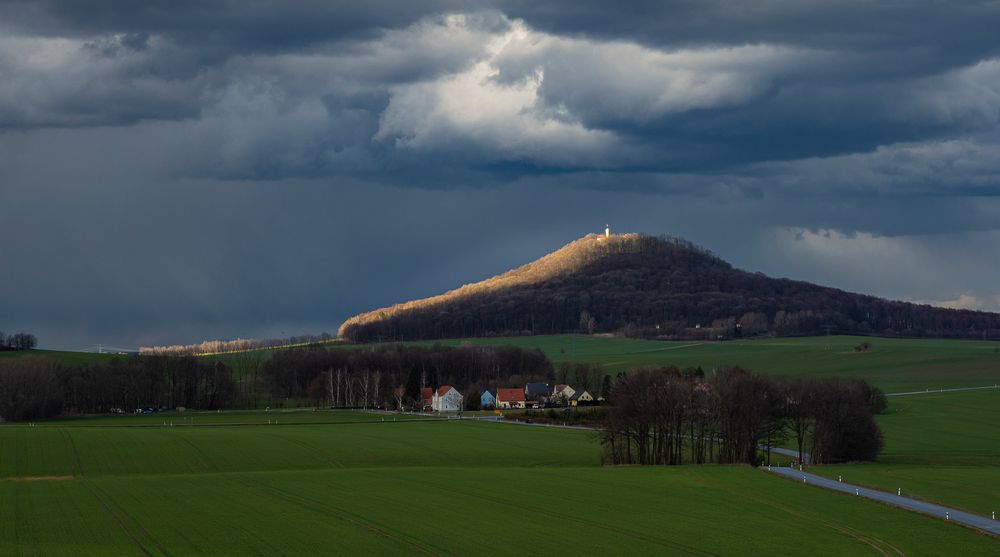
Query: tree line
{"points": [[644, 286], [18, 341], [371, 376], [670, 416], [35, 388], [229, 346]]}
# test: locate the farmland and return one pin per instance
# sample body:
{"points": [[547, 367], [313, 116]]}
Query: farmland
{"points": [[895, 365], [941, 447], [66, 357], [356, 484], [320, 482]]}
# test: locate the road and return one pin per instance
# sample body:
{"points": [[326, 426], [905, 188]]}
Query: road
{"points": [[929, 391], [982, 523]]}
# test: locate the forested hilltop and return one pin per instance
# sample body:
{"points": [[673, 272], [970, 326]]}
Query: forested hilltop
{"points": [[654, 287]]}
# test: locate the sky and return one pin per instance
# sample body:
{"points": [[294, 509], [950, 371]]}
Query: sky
{"points": [[177, 171]]}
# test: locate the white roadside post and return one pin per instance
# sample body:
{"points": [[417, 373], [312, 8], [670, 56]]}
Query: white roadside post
{"points": [[857, 491], [899, 491], [947, 515]]}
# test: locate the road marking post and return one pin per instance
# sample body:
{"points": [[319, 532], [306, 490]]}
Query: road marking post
{"points": [[947, 515], [857, 491], [899, 491], [840, 479]]}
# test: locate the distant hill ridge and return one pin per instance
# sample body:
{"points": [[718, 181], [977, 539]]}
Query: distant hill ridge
{"points": [[647, 286]]}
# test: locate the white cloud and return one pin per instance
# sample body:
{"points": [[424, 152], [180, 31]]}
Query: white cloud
{"points": [[77, 82], [967, 301], [968, 97], [608, 82], [532, 96], [471, 111], [935, 166]]}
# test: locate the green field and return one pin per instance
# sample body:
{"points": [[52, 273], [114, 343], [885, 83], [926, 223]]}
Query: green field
{"points": [[311, 482], [942, 447], [73, 358], [301, 416], [358, 485], [895, 365]]}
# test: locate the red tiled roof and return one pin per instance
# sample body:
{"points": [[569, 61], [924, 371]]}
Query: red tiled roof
{"points": [[427, 394], [510, 395], [443, 389]]}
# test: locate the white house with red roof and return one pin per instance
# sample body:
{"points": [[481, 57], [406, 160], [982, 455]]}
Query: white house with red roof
{"points": [[510, 398], [446, 399]]}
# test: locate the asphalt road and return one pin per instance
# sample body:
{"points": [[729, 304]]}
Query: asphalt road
{"points": [[983, 523], [929, 391]]}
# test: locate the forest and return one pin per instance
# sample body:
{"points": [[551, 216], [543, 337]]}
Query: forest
{"points": [[668, 416], [35, 387], [655, 287]]}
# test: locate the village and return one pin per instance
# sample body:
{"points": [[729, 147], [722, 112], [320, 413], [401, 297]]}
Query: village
{"points": [[533, 395]]}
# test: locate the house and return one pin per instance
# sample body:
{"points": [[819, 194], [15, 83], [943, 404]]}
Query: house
{"points": [[447, 399], [581, 397], [427, 397], [536, 391], [510, 398], [563, 391], [487, 400]]}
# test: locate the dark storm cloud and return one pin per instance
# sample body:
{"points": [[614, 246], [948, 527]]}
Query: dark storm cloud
{"points": [[922, 35], [174, 171], [667, 87], [252, 26]]}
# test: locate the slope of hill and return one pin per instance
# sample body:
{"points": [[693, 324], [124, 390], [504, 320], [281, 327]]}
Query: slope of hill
{"points": [[662, 287]]}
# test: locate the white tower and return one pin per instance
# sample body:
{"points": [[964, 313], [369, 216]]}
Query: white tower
{"points": [[607, 230]]}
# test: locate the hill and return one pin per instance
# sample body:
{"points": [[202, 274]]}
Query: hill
{"points": [[654, 287]]}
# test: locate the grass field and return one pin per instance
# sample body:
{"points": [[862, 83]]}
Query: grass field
{"points": [[320, 482], [301, 416], [942, 447], [895, 365], [363, 486]]}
